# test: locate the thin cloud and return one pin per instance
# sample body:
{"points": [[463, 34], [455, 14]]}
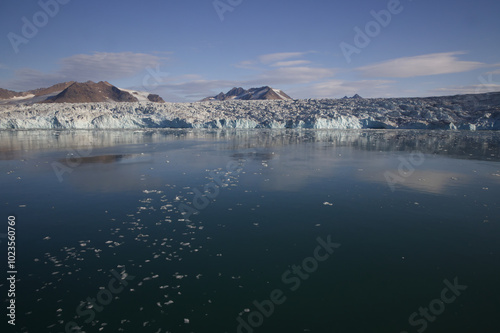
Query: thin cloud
{"points": [[486, 83], [200, 88], [107, 65], [274, 60], [274, 57], [293, 75], [247, 64], [339, 88], [291, 63], [27, 78], [194, 90], [429, 64], [494, 72], [471, 89], [83, 67]]}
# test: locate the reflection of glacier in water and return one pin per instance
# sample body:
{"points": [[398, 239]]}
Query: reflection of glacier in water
{"points": [[119, 210], [469, 145]]}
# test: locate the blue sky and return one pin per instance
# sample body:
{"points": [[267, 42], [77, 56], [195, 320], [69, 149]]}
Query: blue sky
{"points": [[185, 50]]}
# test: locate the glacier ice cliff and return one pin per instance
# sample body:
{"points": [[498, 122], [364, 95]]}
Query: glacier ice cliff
{"points": [[469, 112]]}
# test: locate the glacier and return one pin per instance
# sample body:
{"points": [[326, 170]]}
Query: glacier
{"points": [[467, 112]]}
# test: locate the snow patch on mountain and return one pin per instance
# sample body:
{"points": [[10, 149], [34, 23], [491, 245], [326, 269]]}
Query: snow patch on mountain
{"points": [[281, 94], [142, 96]]}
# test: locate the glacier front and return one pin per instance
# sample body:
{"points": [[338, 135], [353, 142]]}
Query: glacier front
{"points": [[470, 112]]}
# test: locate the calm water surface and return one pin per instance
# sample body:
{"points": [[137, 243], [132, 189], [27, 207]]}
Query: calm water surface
{"points": [[253, 231]]}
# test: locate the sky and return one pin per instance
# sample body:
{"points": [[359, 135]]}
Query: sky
{"points": [[185, 50]]}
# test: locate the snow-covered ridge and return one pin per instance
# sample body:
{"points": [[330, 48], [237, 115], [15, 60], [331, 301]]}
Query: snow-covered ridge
{"points": [[471, 112]]}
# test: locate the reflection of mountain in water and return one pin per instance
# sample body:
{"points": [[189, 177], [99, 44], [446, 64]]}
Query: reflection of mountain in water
{"points": [[460, 144]]}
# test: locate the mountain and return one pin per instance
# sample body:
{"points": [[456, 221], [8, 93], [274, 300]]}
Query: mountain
{"points": [[76, 92], [91, 92], [9, 94], [155, 98], [34, 95], [261, 93], [353, 97], [55, 89]]}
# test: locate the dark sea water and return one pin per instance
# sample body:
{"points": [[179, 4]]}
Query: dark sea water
{"points": [[253, 231]]}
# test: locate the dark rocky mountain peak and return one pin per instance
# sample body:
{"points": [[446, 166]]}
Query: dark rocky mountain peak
{"points": [[91, 92], [262, 93]]}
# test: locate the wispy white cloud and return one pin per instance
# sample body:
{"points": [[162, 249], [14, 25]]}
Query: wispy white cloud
{"points": [[290, 63], [193, 90], [27, 78], [273, 57], [272, 69], [107, 65], [423, 65], [278, 69], [495, 71], [198, 89], [487, 82], [470, 89], [83, 67], [293, 75], [275, 60], [339, 88], [247, 64], [181, 89]]}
